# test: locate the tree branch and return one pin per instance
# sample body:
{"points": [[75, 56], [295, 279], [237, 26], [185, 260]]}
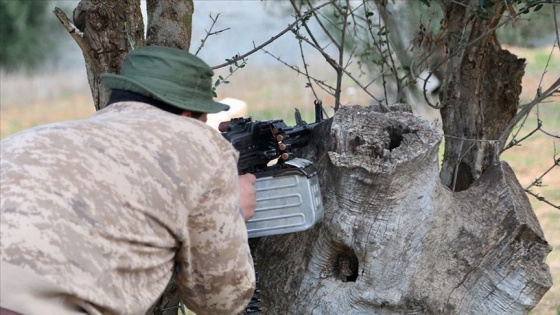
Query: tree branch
{"points": [[272, 39], [554, 88], [210, 33], [74, 31]]}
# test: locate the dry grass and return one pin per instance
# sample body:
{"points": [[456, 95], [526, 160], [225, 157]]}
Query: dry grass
{"points": [[274, 93]]}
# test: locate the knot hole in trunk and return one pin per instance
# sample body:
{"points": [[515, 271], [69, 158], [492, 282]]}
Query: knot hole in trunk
{"points": [[345, 265], [396, 135]]}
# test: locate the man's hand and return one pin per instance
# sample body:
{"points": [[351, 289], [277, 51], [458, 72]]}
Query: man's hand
{"points": [[248, 195]]}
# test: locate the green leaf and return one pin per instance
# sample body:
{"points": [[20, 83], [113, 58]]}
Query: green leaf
{"points": [[538, 7]]}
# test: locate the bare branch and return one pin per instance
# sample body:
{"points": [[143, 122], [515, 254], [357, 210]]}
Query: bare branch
{"points": [[550, 134], [556, 25], [516, 142], [322, 84], [554, 88], [76, 33], [272, 39], [210, 33], [307, 76], [541, 198], [316, 43], [538, 182]]}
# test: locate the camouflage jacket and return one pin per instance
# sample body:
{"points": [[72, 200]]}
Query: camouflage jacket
{"points": [[99, 211]]}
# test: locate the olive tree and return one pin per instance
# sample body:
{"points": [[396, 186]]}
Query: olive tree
{"points": [[399, 235]]}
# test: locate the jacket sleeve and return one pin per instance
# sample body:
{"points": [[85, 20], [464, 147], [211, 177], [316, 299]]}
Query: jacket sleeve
{"points": [[217, 274]]}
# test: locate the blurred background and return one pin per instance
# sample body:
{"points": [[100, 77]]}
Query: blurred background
{"points": [[43, 79]]}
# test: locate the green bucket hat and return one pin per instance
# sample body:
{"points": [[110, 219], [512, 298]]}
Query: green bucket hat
{"points": [[170, 75]]}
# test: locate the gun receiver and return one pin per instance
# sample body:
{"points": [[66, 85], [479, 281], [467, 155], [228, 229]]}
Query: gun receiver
{"points": [[288, 194], [260, 142]]}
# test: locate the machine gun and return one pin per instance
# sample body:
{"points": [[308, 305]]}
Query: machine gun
{"points": [[288, 194], [260, 142]]}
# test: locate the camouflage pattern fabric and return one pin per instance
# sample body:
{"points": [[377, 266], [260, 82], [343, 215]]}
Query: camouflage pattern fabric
{"points": [[95, 213]]}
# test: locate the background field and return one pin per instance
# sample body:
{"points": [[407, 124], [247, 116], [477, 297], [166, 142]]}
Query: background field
{"points": [[274, 92]]}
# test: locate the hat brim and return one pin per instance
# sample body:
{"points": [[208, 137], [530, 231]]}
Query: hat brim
{"points": [[115, 81]]}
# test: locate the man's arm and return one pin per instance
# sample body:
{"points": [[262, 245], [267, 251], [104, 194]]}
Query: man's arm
{"points": [[247, 195], [217, 274]]}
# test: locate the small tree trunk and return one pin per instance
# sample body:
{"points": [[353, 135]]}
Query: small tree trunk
{"points": [[395, 240], [105, 30], [170, 23], [480, 94]]}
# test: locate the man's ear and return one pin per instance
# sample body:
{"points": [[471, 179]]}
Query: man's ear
{"points": [[186, 113]]}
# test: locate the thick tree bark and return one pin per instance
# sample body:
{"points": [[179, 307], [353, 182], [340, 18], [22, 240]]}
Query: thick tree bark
{"points": [[480, 94], [105, 30], [170, 23], [395, 240]]}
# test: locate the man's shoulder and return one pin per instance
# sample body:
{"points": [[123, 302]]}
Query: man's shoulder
{"points": [[165, 124]]}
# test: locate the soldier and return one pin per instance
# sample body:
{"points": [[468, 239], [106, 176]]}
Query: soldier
{"points": [[97, 214]]}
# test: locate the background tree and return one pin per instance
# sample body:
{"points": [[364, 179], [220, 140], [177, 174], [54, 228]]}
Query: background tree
{"points": [[395, 238], [29, 37]]}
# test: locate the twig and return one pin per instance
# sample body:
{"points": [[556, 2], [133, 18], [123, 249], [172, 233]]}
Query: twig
{"points": [[324, 86], [332, 62], [316, 42], [307, 76], [272, 39], [545, 71], [514, 142], [543, 199], [382, 72], [75, 32], [554, 88], [549, 134], [341, 58], [518, 131], [331, 38], [556, 25], [210, 33], [538, 180]]}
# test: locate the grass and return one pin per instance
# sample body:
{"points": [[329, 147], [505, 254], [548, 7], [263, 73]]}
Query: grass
{"points": [[274, 93]]}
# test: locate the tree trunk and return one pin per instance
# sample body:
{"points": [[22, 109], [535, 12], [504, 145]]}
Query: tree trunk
{"points": [[105, 30], [480, 93], [170, 23], [395, 240]]}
